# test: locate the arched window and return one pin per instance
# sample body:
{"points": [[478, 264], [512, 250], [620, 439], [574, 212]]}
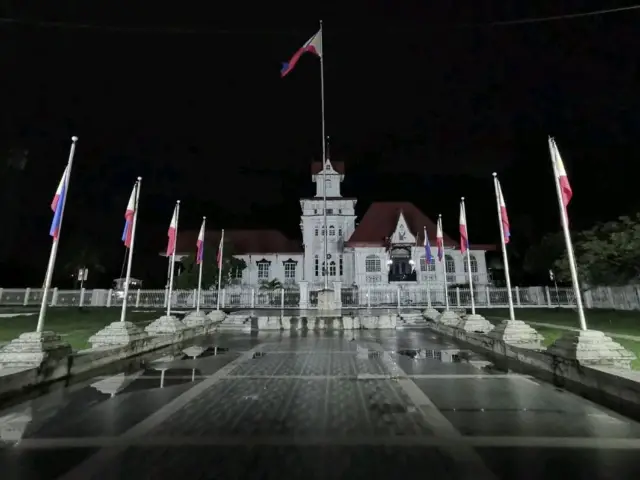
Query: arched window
{"points": [[332, 231], [323, 230], [332, 268], [341, 269], [423, 264], [316, 231], [450, 266], [474, 267], [316, 266], [372, 264]]}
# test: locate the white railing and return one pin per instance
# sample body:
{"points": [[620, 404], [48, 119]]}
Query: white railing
{"points": [[242, 296]]}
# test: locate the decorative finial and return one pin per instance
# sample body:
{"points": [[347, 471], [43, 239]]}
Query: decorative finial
{"points": [[462, 198], [494, 174], [74, 139], [204, 218], [178, 202], [139, 179]]}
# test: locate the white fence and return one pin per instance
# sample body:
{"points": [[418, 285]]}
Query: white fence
{"points": [[620, 298]]}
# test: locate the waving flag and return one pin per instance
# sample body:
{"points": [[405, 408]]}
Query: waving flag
{"points": [[57, 205], [440, 239], [173, 233], [503, 214], [561, 175], [200, 244], [313, 45], [427, 249], [128, 216], [219, 255], [464, 238]]}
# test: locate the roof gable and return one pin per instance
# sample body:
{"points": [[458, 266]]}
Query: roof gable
{"points": [[402, 232], [316, 167]]}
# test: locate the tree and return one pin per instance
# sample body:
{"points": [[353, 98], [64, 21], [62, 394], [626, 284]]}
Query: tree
{"points": [[541, 257], [85, 257], [231, 268], [607, 254]]}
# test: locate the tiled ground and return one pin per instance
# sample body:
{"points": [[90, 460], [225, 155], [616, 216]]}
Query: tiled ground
{"points": [[318, 406]]}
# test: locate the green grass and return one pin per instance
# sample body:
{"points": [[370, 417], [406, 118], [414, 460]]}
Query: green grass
{"points": [[612, 321], [73, 324]]}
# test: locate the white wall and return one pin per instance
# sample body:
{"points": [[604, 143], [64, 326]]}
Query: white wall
{"points": [[276, 270]]}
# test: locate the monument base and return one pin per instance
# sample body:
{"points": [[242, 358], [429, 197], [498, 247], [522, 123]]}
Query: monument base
{"points": [[593, 348], [32, 349], [475, 323], [165, 326], [327, 300], [449, 318], [216, 316], [116, 334], [196, 319], [518, 334], [430, 313]]}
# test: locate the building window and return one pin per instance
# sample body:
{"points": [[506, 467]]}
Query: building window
{"points": [[315, 211], [329, 211], [450, 266], [474, 267], [332, 231], [423, 264], [328, 183], [340, 232], [315, 231], [316, 266], [372, 264], [323, 230], [263, 269], [332, 268], [289, 271], [339, 211], [373, 279], [340, 266]]}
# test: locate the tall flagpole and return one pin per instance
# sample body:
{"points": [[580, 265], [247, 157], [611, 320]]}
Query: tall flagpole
{"points": [[221, 253], [567, 237], [428, 265], [443, 262], [123, 314], [56, 240], [505, 259], [173, 262], [473, 302], [325, 269], [204, 219]]}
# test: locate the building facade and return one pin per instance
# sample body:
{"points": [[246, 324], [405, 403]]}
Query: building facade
{"points": [[385, 247]]}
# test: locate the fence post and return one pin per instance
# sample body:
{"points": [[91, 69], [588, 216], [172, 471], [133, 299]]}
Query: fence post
{"points": [[224, 296], [518, 296], [27, 293], [548, 294], [588, 299], [488, 296], [610, 297], [253, 298], [54, 297], [282, 298], [458, 296], [398, 295], [81, 303], [0, 296], [368, 297], [138, 298], [109, 295]]}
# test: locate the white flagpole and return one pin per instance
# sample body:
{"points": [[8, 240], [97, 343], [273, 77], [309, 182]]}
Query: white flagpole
{"points": [[324, 162], [444, 267], [220, 269], [56, 240], [505, 259], [127, 280], [553, 148], [204, 219], [473, 302], [428, 266], [173, 262]]}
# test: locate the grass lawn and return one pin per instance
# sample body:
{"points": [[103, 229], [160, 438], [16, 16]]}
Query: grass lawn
{"points": [[612, 321], [73, 324]]}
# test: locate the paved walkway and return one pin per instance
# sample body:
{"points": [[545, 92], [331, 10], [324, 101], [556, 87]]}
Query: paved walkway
{"points": [[378, 405]]}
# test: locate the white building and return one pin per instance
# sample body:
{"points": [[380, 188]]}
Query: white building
{"points": [[386, 246]]}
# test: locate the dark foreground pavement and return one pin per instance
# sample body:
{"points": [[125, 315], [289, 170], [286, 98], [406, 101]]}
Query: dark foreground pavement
{"points": [[320, 406]]}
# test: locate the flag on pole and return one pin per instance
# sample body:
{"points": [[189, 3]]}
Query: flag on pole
{"points": [[440, 240], [172, 233], [200, 245], [503, 214], [464, 238], [552, 277], [427, 249], [219, 255], [561, 174], [128, 216], [58, 204], [313, 45]]}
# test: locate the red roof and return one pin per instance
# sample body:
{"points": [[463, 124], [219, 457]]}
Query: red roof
{"points": [[316, 167], [243, 241], [381, 220]]}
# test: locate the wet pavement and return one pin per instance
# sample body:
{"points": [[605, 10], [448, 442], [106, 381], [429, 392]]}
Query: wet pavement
{"points": [[377, 405]]}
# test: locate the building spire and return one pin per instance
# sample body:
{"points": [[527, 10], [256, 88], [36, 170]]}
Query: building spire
{"points": [[327, 160]]}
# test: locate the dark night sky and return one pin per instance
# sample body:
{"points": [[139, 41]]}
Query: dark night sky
{"points": [[423, 103]]}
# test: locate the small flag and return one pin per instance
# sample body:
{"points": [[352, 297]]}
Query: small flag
{"points": [[552, 277], [563, 179], [172, 233], [440, 240], [503, 215], [128, 216], [313, 45], [200, 244], [464, 238], [427, 249], [219, 255], [57, 205]]}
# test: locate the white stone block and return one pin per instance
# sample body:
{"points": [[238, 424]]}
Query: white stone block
{"points": [[475, 323], [165, 326], [430, 313], [197, 319], [347, 322], [32, 349], [448, 317], [269, 323], [593, 348], [216, 316], [117, 334], [518, 334], [285, 322]]}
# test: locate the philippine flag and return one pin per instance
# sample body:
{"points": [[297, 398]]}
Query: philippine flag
{"points": [[172, 233], [313, 45], [200, 244], [464, 238], [128, 216], [563, 179], [440, 240], [57, 205], [503, 215], [427, 249], [219, 255]]}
